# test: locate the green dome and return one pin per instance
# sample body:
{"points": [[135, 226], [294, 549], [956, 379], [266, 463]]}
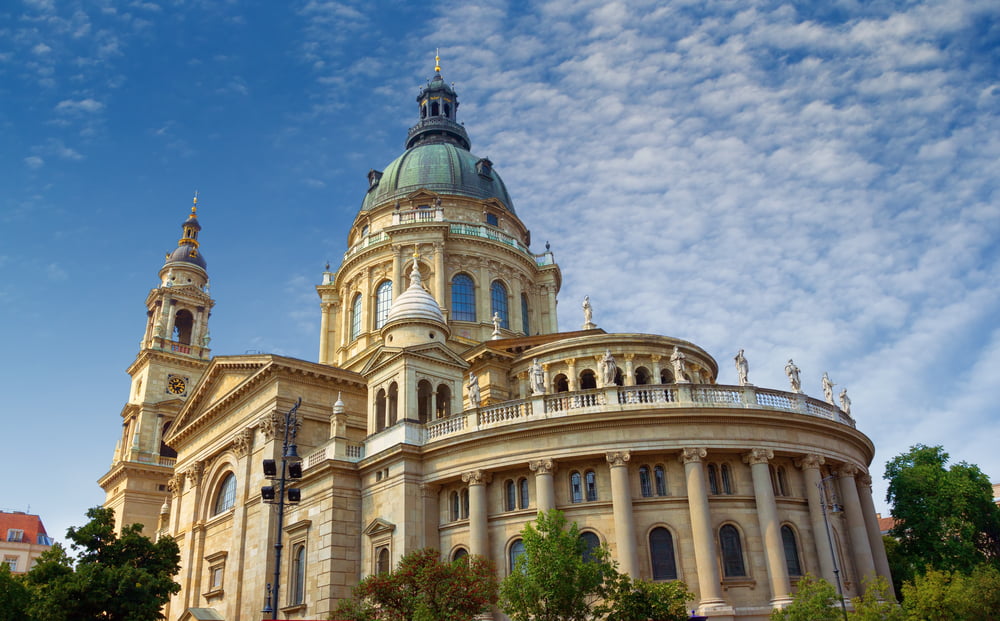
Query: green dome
{"points": [[439, 167]]}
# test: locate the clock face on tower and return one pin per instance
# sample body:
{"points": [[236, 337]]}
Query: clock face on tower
{"points": [[176, 385]]}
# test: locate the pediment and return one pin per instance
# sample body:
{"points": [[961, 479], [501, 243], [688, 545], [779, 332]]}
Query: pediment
{"points": [[421, 194], [430, 352], [378, 527]]}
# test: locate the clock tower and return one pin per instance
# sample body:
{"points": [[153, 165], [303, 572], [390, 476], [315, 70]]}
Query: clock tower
{"points": [[173, 354]]}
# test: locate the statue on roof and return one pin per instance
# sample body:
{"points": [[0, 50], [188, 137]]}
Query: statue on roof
{"points": [[828, 388], [845, 402], [588, 314], [537, 378], [496, 326], [474, 396], [742, 369], [678, 360], [608, 369], [792, 372]]}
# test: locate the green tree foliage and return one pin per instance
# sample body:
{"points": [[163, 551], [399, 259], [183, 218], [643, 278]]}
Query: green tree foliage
{"points": [[814, 600], [940, 595], [125, 577], [422, 588], [877, 604], [14, 596], [639, 600], [552, 581], [945, 516]]}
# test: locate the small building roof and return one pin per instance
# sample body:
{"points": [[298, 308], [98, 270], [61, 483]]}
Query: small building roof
{"points": [[30, 524]]}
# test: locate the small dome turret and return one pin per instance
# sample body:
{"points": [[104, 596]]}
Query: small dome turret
{"points": [[415, 304], [187, 246]]}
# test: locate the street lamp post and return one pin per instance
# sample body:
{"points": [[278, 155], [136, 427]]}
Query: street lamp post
{"points": [[291, 469], [829, 539]]}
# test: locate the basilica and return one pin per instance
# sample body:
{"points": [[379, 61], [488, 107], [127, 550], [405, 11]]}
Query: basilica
{"points": [[446, 408]]}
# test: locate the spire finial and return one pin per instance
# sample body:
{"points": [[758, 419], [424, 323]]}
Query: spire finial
{"points": [[194, 204], [437, 60]]}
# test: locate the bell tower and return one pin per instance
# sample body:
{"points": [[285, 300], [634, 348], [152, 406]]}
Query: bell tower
{"points": [[173, 354]]}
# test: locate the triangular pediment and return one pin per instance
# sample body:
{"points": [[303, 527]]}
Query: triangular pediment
{"points": [[421, 194], [429, 352], [378, 526]]}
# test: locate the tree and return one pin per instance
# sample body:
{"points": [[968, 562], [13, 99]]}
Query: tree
{"points": [[877, 604], [557, 578], [125, 577], [814, 600], [945, 517], [424, 587], [639, 600], [14, 596], [939, 595]]}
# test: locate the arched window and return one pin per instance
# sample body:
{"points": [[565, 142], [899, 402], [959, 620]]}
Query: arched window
{"points": [[515, 552], [645, 484], [380, 410], [383, 300], [166, 451], [561, 383], [666, 376], [642, 376], [392, 401], [463, 298], [225, 499], [443, 400], [576, 487], [660, 476], [456, 507], [382, 563], [713, 479], [183, 323], [356, 317], [522, 486], [732, 552], [425, 400], [498, 303], [591, 479], [661, 554], [460, 553], [591, 543], [791, 551], [727, 485], [782, 481], [525, 324], [588, 380], [510, 495], [465, 504], [297, 593]]}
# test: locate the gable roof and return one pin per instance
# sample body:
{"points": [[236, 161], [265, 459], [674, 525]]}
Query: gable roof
{"points": [[30, 524]]}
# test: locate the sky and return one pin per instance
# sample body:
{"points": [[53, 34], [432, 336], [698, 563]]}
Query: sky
{"points": [[808, 180]]}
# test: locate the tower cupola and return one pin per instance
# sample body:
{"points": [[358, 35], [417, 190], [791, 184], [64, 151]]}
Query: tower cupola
{"points": [[187, 251], [415, 316], [438, 105]]}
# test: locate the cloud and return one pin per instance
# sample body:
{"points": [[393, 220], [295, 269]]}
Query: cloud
{"points": [[34, 162], [55, 273], [41, 49], [81, 105]]}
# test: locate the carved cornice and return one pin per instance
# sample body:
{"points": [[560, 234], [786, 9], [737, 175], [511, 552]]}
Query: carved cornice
{"points": [[618, 458], [758, 456], [477, 477], [243, 442], [542, 466], [692, 455]]}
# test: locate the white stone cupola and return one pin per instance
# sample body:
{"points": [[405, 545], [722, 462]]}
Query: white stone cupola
{"points": [[415, 317]]}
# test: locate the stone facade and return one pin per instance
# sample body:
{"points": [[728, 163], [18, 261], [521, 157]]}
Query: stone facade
{"points": [[728, 488]]}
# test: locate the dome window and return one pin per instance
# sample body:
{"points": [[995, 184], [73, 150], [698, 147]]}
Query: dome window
{"points": [[485, 168], [492, 219], [374, 176]]}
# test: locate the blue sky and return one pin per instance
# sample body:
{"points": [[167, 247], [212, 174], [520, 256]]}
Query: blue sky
{"points": [[810, 180]]}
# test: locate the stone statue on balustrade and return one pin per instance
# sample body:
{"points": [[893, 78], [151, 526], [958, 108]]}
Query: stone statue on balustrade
{"points": [[678, 361], [588, 314], [742, 369], [496, 326], [845, 402], [474, 396], [537, 378], [828, 388], [608, 369], [792, 372]]}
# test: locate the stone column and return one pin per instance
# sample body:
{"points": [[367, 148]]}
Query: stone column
{"points": [[171, 316], [629, 371], [397, 271], [478, 528], [810, 470], [621, 501], [655, 359], [514, 312], [439, 275], [874, 532], [324, 331], [861, 548], [545, 492], [571, 378], [770, 527], [701, 528]]}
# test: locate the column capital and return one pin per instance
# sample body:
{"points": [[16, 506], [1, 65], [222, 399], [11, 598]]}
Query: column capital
{"points": [[195, 472], [542, 466], [809, 461], [429, 489], [629, 356], [477, 477], [243, 442], [847, 471], [570, 362], [758, 456], [692, 455], [866, 481], [618, 458], [175, 485]]}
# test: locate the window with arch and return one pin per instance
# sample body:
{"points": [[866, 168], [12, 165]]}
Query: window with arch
{"points": [[661, 554], [643, 377], [166, 451], [523, 498], [456, 507], [297, 592], [459, 554], [465, 504], [727, 479], [380, 409], [356, 317], [732, 552], [791, 551], [498, 303], [645, 482], [588, 380], [660, 478], [713, 479], [443, 401], [225, 499], [591, 481], [666, 376], [561, 383], [575, 487], [383, 301], [392, 399], [510, 495], [183, 324], [591, 542], [525, 324], [382, 560], [513, 553], [425, 400], [463, 298]]}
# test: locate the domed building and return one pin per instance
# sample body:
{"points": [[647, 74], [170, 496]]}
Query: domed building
{"points": [[446, 409]]}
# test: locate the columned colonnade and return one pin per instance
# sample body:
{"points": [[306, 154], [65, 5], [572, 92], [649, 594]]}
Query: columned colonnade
{"points": [[864, 538]]}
